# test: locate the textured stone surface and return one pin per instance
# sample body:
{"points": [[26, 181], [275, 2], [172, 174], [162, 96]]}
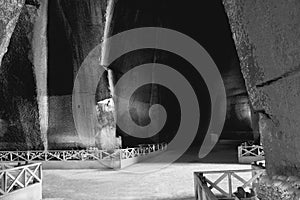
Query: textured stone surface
{"points": [[267, 38], [47, 48], [106, 128], [62, 133], [40, 62], [18, 88], [9, 14], [278, 188], [75, 29]]}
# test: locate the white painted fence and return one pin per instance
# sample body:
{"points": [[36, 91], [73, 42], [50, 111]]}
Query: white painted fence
{"points": [[224, 183], [66, 159], [55, 155], [250, 153], [21, 182]]}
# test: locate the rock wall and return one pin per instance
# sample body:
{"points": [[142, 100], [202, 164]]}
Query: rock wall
{"points": [[43, 46], [19, 107], [53, 38], [75, 28], [267, 38], [40, 63], [9, 15]]}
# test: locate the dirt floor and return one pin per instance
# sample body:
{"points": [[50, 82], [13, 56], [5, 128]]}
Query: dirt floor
{"points": [[172, 182]]}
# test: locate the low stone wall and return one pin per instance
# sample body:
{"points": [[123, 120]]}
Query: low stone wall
{"points": [[79, 164]]}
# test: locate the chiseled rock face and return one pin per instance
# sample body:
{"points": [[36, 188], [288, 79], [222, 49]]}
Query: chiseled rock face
{"points": [[278, 187], [9, 14], [267, 38], [43, 44], [75, 28], [18, 105], [106, 128]]}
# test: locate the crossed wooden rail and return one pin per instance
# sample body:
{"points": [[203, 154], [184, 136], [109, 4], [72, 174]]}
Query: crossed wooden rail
{"points": [[203, 185], [15, 178], [202, 191], [71, 155], [142, 150], [55, 155], [250, 153]]}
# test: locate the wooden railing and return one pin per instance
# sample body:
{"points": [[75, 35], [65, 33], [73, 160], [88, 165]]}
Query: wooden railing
{"points": [[142, 150], [202, 191], [250, 153], [55, 155], [15, 178], [229, 178], [82, 155]]}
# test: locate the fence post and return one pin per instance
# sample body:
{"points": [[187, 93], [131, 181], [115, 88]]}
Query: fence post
{"points": [[100, 154], [196, 186], [46, 155], [63, 156], [230, 184], [40, 171], [203, 195], [4, 182]]}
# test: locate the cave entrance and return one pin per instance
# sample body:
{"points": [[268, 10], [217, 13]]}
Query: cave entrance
{"points": [[73, 33], [207, 23]]}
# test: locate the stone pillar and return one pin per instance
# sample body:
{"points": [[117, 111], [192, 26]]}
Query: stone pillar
{"points": [[9, 15], [40, 55], [106, 133], [18, 81], [78, 28], [267, 39]]}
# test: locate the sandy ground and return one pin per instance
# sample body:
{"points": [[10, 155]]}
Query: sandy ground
{"points": [[172, 182]]}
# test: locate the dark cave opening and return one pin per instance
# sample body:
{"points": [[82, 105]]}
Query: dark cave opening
{"points": [[204, 21], [150, 94], [60, 70], [207, 23]]}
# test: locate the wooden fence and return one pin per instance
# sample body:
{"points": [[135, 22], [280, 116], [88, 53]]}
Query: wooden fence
{"points": [[19, 177], [250, 153], [55, 155], [142, 150], [70, 159], [220, 179]]}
